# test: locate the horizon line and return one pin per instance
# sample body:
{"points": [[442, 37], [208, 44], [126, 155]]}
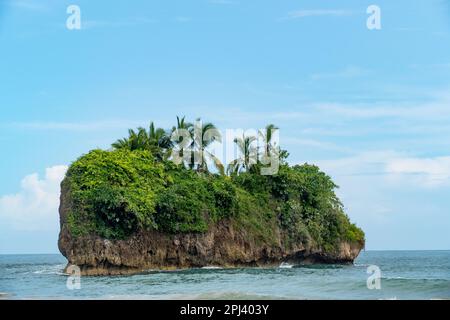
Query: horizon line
{"points": [[57, 253]]}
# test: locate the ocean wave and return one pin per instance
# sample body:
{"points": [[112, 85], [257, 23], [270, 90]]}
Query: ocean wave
{"points": [[55, 269], [415, 279], [5, 295], [225, 295], [365, 265], [320, 266]]}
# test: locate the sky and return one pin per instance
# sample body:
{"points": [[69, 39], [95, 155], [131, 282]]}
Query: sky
{"points": [[370, 107]]}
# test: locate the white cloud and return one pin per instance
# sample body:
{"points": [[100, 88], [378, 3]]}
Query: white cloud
{"points": [[429, 172], [431, 110], [362, 164], [318, 12], [395, 168], [314, 143], [35, 206], [409, 118]]}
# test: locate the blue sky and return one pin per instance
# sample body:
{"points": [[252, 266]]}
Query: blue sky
{"points": [[370, 107]]}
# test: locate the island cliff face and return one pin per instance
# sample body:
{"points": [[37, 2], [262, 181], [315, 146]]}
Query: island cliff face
{"points": [[255, 233], [221, 246]]}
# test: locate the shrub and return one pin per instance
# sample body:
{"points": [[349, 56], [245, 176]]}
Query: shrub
{"points": [[355, 234], [109, 186], [114, 217], [224, 197], [179, 209]]}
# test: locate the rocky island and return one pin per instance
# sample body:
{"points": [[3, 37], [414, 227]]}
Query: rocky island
{"points": [[132, 208]]}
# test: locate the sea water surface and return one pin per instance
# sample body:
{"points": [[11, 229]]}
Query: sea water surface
{"points": [[404, 275]]}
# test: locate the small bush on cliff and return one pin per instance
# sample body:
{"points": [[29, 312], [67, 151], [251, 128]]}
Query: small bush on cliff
{"points": [[114, 216], [225, 200], [183, 208]]}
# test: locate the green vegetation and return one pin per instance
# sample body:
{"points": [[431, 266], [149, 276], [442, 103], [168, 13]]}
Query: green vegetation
{"points": [[135, 186]]}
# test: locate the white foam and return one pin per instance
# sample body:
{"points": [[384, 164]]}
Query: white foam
{"points": [[285, 265]]}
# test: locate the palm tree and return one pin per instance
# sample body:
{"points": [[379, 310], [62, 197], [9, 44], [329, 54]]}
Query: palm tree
{"points": [[201, 138], [158, 142], [271, 149], [182, 125], [207, 134], [155, 140], [161, 144], [136, 140], [267, 137], [248, 156], [121, 144]]}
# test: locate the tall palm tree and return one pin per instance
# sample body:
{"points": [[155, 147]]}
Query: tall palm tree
{"points": [[182, 124], [206, 135], [201, 138], [248, 156], [267, 137], [271, 149]]}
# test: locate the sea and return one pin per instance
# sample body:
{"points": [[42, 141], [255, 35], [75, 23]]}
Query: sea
{"points": [[374, 275]]}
